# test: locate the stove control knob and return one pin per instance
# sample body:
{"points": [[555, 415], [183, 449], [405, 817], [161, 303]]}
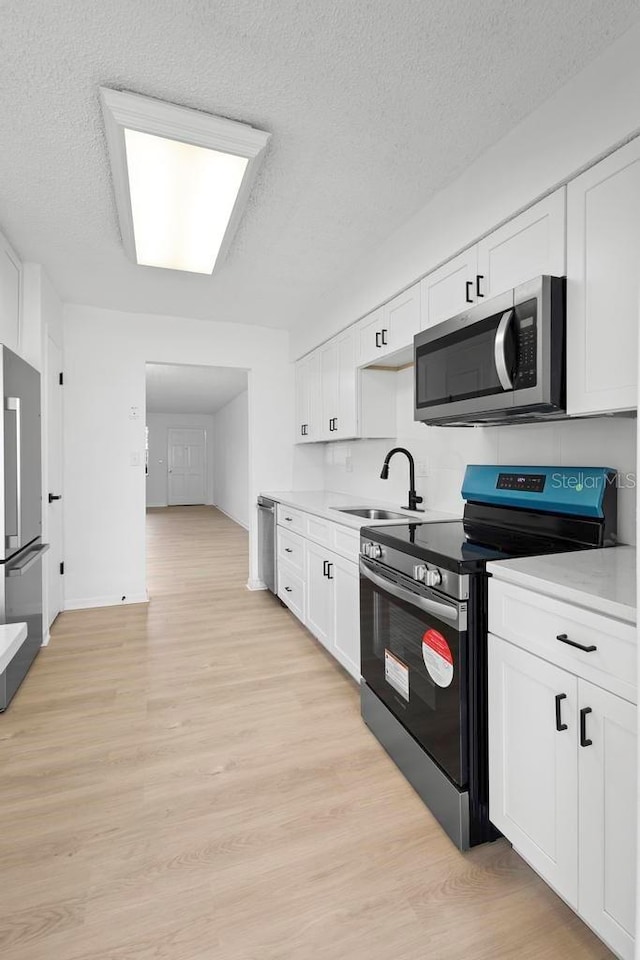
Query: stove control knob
{"points": [[433, 578], [366, 549], [419, 572], [376, 551]]}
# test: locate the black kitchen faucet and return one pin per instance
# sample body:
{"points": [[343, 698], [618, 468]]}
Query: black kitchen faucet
{"points": [[414, 499]]}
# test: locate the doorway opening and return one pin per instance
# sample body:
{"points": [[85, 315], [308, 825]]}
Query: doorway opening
{"points": [[197, 441]]}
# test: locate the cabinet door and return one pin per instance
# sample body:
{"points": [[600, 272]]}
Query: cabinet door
{"points": [[608, 816], [603, 284], [10, 295], [319, 593], [531, 244], [533, 765], [328, 389], [346, 423], [445, 293], [302, 402], [369, 334], [401, 320], [346, 627]]}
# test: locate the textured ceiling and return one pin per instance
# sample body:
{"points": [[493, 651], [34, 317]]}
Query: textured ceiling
{"points": [[373, 107], [176, 388]]}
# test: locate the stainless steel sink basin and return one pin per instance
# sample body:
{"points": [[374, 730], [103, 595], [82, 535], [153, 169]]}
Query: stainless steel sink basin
{"points": [[372, 514]]}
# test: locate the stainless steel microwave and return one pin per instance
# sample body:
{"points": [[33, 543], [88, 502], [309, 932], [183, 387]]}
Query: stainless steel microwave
{"points": [[502, 361]]}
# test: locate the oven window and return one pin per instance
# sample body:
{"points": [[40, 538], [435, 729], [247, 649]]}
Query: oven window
{"points": [[459, 366], [416, 664]]}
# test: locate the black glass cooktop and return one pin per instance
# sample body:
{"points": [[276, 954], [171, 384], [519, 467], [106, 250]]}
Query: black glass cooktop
{"points": [[462, 547]]}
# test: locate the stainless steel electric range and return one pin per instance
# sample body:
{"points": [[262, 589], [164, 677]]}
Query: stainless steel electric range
{"points": [[423, 619]]}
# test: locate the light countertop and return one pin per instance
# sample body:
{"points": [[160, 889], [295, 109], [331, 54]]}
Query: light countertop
{"points": [[323, 503], [599, 580], [12, 636]]}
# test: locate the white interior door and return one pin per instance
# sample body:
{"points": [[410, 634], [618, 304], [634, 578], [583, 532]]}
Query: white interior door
{"points": [[187, 462], [54, 557]]}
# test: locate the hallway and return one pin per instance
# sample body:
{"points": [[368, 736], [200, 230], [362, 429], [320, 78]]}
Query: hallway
{"points": [[191, 780]]}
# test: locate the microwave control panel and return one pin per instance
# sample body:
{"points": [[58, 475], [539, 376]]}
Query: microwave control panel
{"points": [[526, 330]]}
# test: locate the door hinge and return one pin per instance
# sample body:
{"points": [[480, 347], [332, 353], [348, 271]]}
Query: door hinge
{"points": [[61, 379], [62, 569]]}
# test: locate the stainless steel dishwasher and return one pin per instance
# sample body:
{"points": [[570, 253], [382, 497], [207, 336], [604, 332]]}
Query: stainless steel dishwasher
{"points": [[267, 543]]}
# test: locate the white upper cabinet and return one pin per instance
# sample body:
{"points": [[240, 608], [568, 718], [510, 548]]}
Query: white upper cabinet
{"points": [[339, 377], [533, 762], [390, 328], [369, 333], [528, 246], [608, 816], [603, 284], [531, 244], [450, 289], [308, 405], [10, 295]]}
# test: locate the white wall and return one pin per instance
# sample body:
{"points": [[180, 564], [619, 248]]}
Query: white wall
{"points": [[105, 356], [231, 459], [442, 453], [159, 424], [595, 111]]}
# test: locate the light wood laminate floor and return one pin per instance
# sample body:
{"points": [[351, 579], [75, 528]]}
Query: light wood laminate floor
{"points": [[191, 780]]}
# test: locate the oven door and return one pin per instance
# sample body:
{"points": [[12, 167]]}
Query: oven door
{"points": [[414, 658]]}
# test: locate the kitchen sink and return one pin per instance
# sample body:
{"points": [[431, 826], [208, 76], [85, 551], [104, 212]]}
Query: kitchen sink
{"points": [[372, 514]]}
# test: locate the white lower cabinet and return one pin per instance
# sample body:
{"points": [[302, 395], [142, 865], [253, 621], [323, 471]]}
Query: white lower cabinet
{"points": [[333, 605], [607, 817], [319, 614], [533, 766], [562, 785]]}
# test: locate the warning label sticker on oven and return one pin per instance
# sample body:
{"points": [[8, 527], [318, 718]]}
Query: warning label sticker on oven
{"points": [[396, 674], [437, 657]]}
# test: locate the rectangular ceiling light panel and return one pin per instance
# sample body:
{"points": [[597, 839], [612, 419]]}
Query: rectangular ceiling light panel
{"points": [[181, 179]]}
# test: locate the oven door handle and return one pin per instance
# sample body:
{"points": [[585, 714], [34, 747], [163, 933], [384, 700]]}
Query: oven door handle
{"points": [[500, 350], [443, 610], [32, 556]]}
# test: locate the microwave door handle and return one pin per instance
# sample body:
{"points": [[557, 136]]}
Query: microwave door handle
{"points": [[442, 610], [13, 405], [500, 350]]}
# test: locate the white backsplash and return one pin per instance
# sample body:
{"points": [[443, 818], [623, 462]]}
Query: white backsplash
{"points": [[442, 453]]}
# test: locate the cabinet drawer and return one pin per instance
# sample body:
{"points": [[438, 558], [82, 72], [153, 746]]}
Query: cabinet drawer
{"points": [[291, 589], [291, 549], [534, 622], [346, 542], [291, 519]]}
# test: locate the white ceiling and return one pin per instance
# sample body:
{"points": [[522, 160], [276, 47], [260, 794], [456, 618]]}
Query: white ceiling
{"points": [[373, 107], [177, 388]]}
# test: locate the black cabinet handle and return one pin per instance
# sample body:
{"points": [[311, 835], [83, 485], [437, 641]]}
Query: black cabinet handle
{"points": [[563, 638], [383, 335], [559, 724], [378, 344], [331, 426], [325, 563], [584, 741], [288, 589], [54, 496], [329, 569], [469, 285], [288, 550], [479, 277], [289, 519]]}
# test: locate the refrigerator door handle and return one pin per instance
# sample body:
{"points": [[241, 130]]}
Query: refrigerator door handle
{"points": [[13, 405], [32, 557]]}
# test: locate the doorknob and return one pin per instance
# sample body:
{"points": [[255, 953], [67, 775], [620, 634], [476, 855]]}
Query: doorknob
{"points": [[54, 496]]}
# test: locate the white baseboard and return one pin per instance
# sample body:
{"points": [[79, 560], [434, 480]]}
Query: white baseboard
{"points": [[231, 517], [89, 602], [45, 639], [256, 585]]}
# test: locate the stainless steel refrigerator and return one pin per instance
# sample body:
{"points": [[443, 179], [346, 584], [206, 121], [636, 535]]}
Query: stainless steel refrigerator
{"points": [[21, 547]]}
